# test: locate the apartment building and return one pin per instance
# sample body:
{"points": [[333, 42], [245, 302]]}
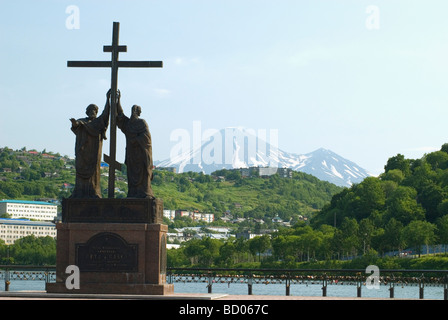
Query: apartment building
{"points": [[36, 210], [14, 229]]}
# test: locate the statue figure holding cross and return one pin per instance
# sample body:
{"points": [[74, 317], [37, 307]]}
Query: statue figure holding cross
{"points": [[139, 160], [90, 133]]}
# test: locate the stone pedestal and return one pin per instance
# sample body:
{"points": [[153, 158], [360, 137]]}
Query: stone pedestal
{"points": [[119, 246]]}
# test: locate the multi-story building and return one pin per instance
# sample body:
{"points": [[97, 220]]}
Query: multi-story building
{"points": [[207, 217], [183, 213], [14, 229], [36, 210], [265, 172], [169, 169], [170, 214], [195, 216]]}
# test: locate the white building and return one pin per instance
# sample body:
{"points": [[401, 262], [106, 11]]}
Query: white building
{"points": [[13, 229], [170, 214], [36, 210], [195, 216], [248, 235]]}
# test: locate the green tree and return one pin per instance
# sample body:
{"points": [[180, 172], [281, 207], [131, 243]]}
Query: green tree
{"points": [[395, 175], [210, 251], [392, 237], [431, 196], [176, 258], [287, 247], [444, 147], [326, 250], [366, 233], [279, 248], [350, 241], [403, 206], [227, 254], [193, 249], [11, 189], [336, 243], [311, 242], [34, 250], [372, 196], [259, 245], [418, 233], [437, 160], [3, 253], [398, 162], [241, 247], [442, 230], [442, 208], [422, 175]]}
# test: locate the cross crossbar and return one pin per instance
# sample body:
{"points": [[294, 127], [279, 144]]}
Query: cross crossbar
{"points": [[111, 48], [121, 64]]}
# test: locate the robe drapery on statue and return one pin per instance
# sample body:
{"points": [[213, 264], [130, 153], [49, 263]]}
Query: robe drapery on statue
{"points": [[90, 133], [139, 162]]}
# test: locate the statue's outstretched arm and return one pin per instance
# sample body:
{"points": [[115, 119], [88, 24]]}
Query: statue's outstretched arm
{"points": [[119, 108]]}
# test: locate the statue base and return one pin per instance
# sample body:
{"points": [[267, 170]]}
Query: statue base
{"points": [[119, 246], [112, 210]]}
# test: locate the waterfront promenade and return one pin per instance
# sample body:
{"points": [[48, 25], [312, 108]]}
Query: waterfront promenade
{"points": [[42, 295], [28, 283]]}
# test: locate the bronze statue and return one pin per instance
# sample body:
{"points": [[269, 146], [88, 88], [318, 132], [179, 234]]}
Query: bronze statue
{"points": [[114, 64], [90, 133], [138, 160]]}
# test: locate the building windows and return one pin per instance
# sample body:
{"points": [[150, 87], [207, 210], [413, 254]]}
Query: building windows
{"points": [[29, 209], [11, 230]]}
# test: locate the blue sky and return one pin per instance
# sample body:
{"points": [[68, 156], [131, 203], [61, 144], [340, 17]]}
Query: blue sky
{"points": [[310, 69]]}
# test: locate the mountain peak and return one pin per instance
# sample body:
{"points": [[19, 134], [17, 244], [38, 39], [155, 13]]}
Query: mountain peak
{"points": [[322, 150], [238, 147], [327, 165]]}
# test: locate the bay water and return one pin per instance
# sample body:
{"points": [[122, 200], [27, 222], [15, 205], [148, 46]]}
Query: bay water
{"points": [[278, 289]]}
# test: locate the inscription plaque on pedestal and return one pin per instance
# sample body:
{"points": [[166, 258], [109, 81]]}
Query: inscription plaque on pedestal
{"points": [[127, 258], [107, 252]]}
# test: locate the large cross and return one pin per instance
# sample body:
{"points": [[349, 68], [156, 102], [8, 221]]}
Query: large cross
{"points": [[114, 64]]}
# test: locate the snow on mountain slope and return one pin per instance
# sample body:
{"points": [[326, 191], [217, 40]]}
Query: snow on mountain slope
{"points": [[327, 165], [234, 148]]}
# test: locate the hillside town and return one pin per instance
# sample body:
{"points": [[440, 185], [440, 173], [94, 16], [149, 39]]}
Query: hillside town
{"points": [[20, 217]]}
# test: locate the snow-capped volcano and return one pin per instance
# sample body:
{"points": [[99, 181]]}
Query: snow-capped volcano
{"points": [[234, 148], [327, 165]]}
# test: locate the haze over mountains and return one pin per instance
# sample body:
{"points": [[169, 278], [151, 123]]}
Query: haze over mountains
{"points": [[234, 148]]}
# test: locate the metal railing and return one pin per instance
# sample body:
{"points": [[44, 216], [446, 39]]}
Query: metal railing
{"points": [[26, 272], [250, 277], [357, 277]]}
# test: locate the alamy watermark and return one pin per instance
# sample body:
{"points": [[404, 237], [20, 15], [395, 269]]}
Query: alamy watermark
{"points": [[229, 146], [373, 18], [72, 281], [373, 281], [73, 20]]}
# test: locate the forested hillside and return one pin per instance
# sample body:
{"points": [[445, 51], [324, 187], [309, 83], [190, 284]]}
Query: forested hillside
{"points": [[406, 206], [28, 175], [34, 175], [259, 198], [408, 190]]}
